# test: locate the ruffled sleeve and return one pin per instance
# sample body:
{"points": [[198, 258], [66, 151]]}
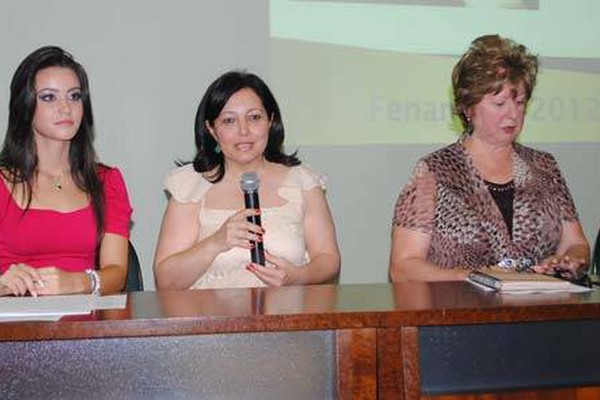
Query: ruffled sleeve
{"points": [[186, 185], [415, 207], [309, 178], [563, 196], [300, 179], [118, 208]]}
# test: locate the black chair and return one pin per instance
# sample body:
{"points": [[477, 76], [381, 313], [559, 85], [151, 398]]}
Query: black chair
{"points": [[595, 267], [134, 281]]}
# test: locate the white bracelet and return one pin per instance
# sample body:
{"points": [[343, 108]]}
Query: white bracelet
{"points": [[95, 282]]}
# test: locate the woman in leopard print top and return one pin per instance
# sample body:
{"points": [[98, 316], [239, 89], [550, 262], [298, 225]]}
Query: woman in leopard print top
{"points": [[486, 200]]}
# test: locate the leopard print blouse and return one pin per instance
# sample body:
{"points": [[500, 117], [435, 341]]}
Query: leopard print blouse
{"points": [[447, 199]]}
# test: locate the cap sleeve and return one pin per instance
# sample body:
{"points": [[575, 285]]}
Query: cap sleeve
{"points": [[563, 195], [309, 178], [186, 185], [118, 207], [415, 207]]}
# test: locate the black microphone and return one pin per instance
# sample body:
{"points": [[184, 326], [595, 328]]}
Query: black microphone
{"points": [[249, 184]]}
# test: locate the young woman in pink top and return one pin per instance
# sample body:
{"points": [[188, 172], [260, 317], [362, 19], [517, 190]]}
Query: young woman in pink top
{"points": [[64, 217]]}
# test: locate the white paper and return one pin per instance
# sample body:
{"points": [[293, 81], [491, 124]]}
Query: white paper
{"points": [[52, 308], [115, 301], [29, 317], [571, 288], [45, 305], [563, 288]]}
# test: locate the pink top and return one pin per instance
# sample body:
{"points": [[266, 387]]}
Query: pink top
{"points": [[42, 238]]}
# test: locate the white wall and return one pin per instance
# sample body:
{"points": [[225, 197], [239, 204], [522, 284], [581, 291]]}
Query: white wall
{"points": [[149, 63]]}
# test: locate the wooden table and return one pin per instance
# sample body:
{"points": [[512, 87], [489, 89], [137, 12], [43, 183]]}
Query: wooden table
{"points": [[402, 341]]}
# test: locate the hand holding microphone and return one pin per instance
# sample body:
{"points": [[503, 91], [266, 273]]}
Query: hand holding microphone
{"points": [[236, 231], [281, 271], [249, 184]]}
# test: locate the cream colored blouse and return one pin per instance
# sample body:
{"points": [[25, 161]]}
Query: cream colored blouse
{"points": [[283, 225]]}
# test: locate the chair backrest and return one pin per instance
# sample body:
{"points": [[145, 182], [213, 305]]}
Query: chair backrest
{"points": [[595, 270], [134, 281]]}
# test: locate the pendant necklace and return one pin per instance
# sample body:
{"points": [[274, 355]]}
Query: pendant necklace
{"points": [[56, 181], [57, 184]]}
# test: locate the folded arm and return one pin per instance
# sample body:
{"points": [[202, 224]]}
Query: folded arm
{"points": [[408, 259]]}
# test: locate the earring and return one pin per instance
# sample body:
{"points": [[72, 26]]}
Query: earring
{"points": [[467, 117], [217, 149], [469, 127]]}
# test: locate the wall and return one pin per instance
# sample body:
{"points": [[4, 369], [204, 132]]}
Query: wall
{"points": [[149, 63], [364, 183]]}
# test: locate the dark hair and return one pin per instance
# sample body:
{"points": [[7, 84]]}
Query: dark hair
{"points": [[490, 63], [18, 157], [218, 93]]}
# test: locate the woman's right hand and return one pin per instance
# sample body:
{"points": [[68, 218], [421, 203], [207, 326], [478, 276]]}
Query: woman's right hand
{"points": [[236, 231], [566, 266], [20, 279]]}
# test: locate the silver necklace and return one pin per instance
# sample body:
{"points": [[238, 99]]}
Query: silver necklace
{"points": [[499, 188]]}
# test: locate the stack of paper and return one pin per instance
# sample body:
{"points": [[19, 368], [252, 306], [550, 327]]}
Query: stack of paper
{"points": [[52, 308], [522, 282]]}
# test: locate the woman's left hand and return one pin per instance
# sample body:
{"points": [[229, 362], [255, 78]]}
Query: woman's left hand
{"points": [[566, 266], [57, 281], [280, 273]]}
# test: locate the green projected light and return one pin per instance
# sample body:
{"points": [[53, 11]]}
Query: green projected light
{"points": [[357, 72]]}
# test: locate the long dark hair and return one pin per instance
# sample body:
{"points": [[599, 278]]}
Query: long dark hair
{"points": [[18, 157], [218, 93]]}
